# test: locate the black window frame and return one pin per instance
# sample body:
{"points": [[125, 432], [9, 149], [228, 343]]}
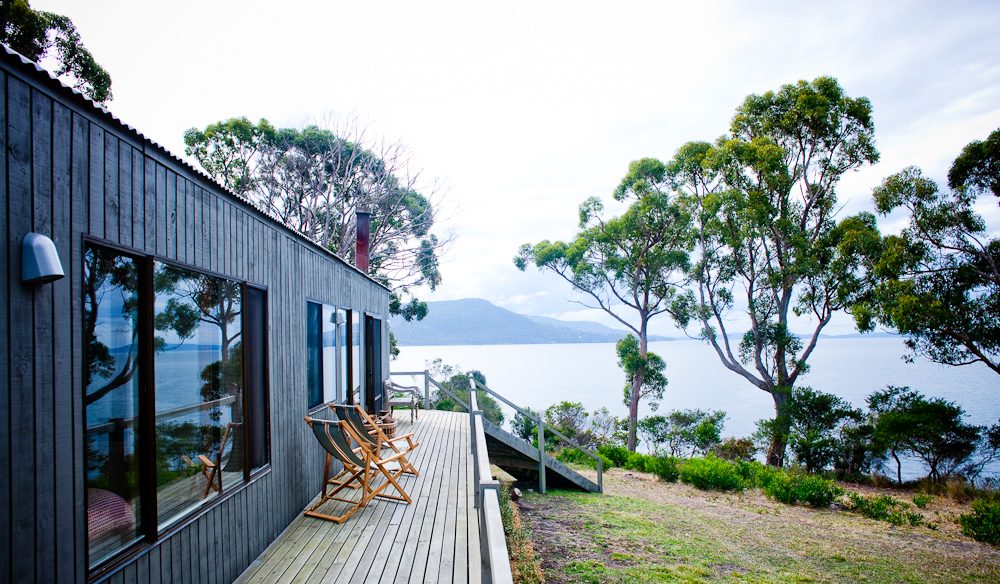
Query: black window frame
{"points": [[150, 532]]}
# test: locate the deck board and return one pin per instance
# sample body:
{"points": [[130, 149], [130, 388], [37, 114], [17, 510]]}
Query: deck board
{"points": [[435, 538]]}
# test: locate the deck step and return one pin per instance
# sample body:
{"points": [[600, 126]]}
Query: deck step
{"points": [[520, 459]]}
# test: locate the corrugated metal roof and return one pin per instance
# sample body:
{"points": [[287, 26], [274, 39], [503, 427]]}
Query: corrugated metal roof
{"points": [[19, 60]]}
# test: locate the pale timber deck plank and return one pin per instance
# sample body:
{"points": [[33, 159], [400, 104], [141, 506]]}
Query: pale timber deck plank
{"points": [[433, 539]]}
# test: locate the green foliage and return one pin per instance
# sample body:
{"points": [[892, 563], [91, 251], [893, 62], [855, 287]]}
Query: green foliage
{"points": [[665, 467], [648, 368], [794, 487], [938, 282], [637, 260], [932, 430], [815, 418], [314, 180], [35, 33], [763, 199], [525, 427], [684, 432], [457, 383], [983, 523], [570, 418], [977, 168], [884, 508], [921, 500], [735, 449], [577, 456], [639, 462], [711, 473], [615, 455]]}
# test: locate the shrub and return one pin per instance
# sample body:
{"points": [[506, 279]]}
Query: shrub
{"points": [[616, 455], [983, 524], [577, 456], [884, 508], [921, 501], [736, 449], [793, 488], [665, 467], [638, 461], [712, 473]]}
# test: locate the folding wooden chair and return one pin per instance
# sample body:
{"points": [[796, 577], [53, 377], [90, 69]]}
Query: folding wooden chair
{"points": [[367, 431], [361, 470], [212, 469]]}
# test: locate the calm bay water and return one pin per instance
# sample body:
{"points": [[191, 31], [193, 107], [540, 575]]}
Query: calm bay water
{"points": [[540, 375]]}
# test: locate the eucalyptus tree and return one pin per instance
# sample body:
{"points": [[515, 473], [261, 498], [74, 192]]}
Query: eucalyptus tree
{"points": [[632, 267], [315, 179], [938, 281], [769, 247], [38, 34]]}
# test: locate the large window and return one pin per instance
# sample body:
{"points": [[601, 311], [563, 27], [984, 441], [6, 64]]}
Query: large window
{"points": [[176, 393], [325, 342]]}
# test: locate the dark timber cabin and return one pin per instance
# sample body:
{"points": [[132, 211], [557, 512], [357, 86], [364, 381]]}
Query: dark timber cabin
{"points": [[189, 327]]}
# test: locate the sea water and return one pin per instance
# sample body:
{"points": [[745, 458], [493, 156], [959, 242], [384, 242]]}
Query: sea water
{"points": [[537, 376]]}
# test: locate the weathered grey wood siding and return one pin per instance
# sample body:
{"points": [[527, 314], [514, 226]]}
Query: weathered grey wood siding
{"points": [[68, 171]]}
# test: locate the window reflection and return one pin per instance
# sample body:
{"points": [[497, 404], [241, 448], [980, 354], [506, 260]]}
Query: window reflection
{"points": [[355, 324], [111, 399], [199, 378]]}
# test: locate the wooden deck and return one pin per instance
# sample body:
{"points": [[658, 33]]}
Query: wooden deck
{"points": [[434, 539]]}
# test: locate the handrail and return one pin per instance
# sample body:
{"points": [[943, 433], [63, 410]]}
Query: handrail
{"points": [[461, 401], [548, 428], [174, 413], [492, 540]]}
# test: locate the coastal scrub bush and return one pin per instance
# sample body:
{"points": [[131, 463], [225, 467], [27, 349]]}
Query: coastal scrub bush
{"points": [[639, 462], [711, 473], [736, 449], [665, 467], [617, 455], [791, 488], [921, 500], [884, 508], [577, 456], [983, 524]]}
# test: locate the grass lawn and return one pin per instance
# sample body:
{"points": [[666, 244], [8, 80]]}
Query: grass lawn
{"points": [[645, 530]]}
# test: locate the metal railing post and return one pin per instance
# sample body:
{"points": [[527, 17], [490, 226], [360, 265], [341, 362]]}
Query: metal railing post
{"points": [[427, 388], [541, 455]]}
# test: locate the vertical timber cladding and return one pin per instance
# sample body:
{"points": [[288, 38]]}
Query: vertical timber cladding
{"points": [[71, 171]]}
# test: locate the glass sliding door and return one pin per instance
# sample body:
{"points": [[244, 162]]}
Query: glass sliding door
{"points": [[357, 379], [199, 389], [343, 356], [111, 401], [256, 383], [373, 364], [314, 354]]}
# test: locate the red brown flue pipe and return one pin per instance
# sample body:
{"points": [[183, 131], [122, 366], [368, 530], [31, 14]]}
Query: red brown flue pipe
{"points": [[364, 217]]}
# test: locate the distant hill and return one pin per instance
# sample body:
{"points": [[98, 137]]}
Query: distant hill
{"points": [[474, 321]]}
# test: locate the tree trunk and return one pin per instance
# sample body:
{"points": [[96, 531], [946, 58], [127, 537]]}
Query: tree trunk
{"points": [[779, 435], [899, 467], [637, 382]]}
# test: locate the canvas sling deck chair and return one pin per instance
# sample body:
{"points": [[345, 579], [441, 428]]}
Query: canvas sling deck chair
{"points": [[211, 468], [363, 468], [367, 431]]}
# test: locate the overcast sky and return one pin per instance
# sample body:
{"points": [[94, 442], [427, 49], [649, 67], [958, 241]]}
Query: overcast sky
{"points": [[524, 109]]}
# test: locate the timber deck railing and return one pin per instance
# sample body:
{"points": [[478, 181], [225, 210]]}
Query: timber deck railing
{"points": [[492, 541], [540, 423]]}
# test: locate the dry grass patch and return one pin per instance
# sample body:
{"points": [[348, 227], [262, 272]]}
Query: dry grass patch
{"points": [[645, 530]]}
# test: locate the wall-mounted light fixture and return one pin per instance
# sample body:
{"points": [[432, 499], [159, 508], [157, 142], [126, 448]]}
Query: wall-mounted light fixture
{"points": [[39, 260]]}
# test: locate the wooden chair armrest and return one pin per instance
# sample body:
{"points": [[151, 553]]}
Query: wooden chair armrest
{"points": [[205, 461]]}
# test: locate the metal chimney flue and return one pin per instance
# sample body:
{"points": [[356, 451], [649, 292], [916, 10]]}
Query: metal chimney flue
{"points": [[364, 235]]}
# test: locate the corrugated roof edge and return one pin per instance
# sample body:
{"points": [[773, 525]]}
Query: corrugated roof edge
{"points": [[46, 76]]}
